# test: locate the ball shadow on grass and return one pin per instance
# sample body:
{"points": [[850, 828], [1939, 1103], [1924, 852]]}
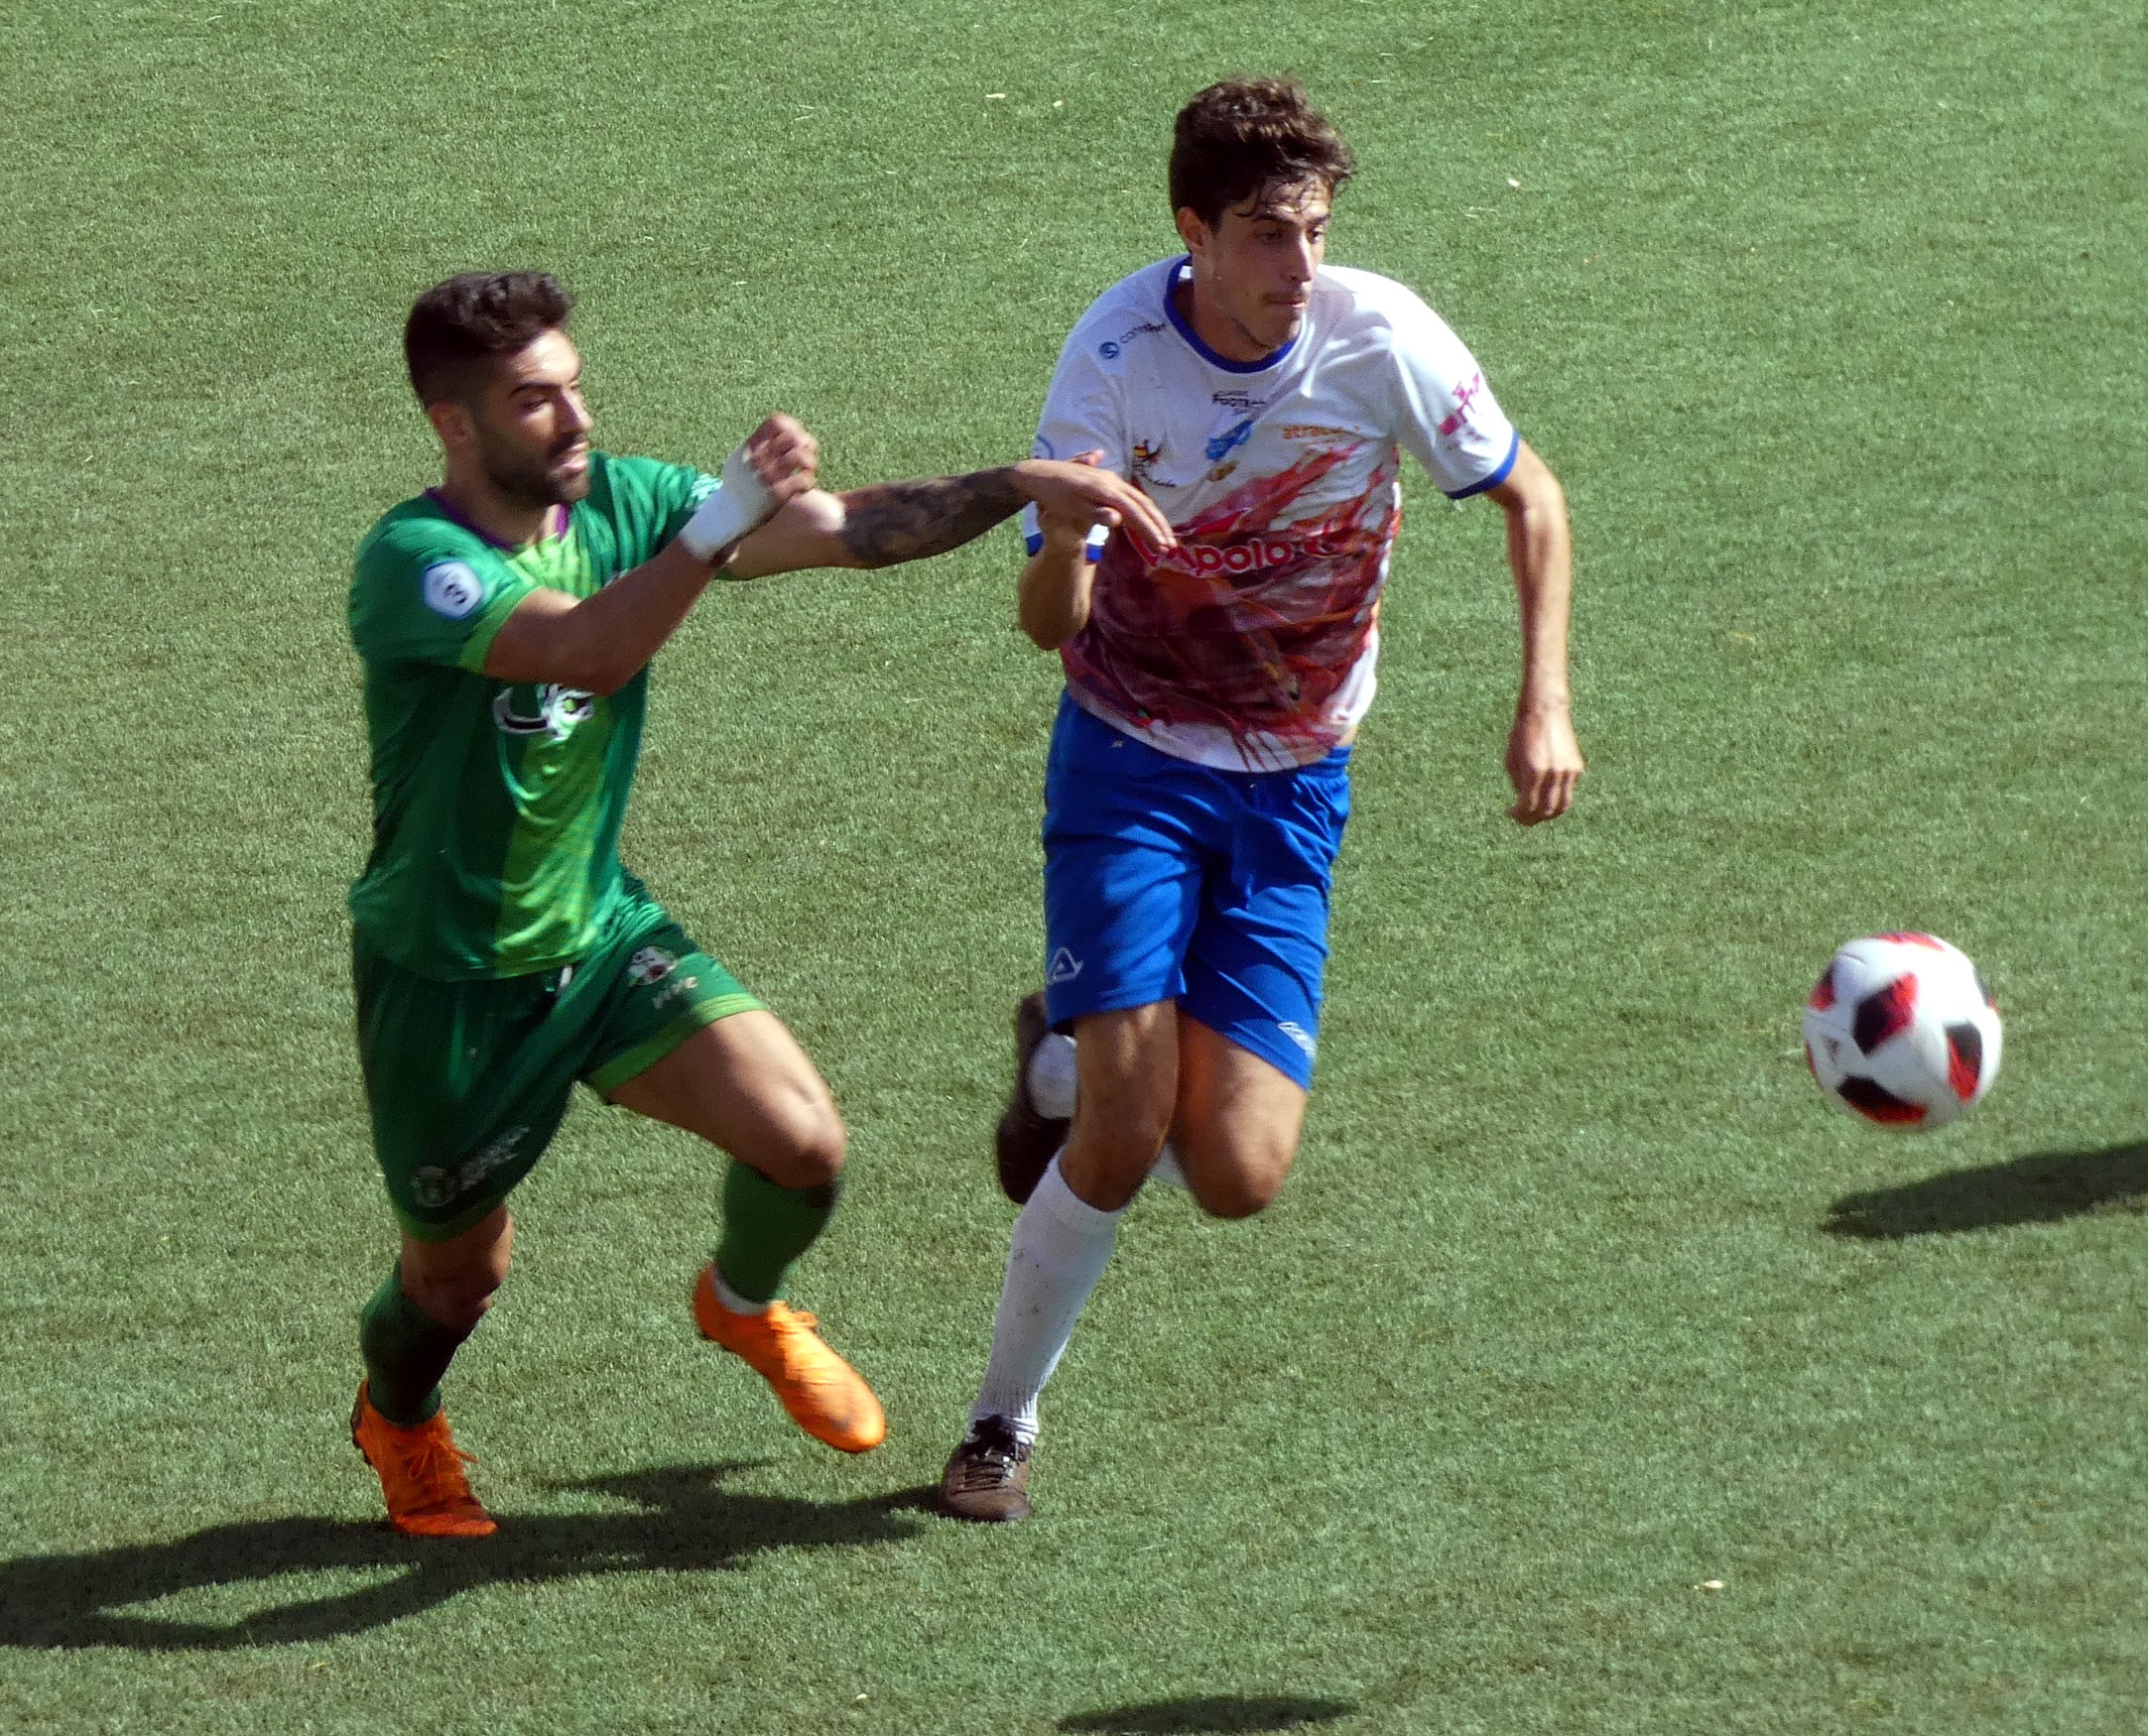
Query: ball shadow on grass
{"points": [[1196, 1717], [2043, 1189]]}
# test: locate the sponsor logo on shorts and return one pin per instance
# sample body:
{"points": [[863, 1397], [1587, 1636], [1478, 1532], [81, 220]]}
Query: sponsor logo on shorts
{"points": [[1064, 967], [684, 986], [650, 965], [1108, 351], [433, 1187], [1298, 1034], [453, 589]]}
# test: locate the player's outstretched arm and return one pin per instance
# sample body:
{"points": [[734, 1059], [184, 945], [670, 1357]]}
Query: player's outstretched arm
{"points": [[893, 522], [600, 643], [1543, 757]]}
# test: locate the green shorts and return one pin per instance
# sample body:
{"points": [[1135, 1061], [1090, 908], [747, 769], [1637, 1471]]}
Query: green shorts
{"points": [[467, 1081]]}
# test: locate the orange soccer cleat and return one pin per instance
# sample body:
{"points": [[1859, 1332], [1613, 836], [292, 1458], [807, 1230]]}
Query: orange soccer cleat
{"points": [[420, 1474], [823, 1393]]}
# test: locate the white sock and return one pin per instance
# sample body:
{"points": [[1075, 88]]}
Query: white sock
{"points": [[737, 1304], [1051, 1077], [1060, 1249]]}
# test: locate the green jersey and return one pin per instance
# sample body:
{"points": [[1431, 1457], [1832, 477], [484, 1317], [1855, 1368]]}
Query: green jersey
{"points": [[497, 804]]}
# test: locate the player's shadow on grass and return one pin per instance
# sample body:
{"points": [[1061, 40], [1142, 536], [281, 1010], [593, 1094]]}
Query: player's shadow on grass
{"points": [[1220, 1712], [2037, 1189], [221, 1582]]}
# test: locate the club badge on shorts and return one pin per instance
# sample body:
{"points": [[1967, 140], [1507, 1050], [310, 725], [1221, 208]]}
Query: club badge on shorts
{"points": [[650, 965]]}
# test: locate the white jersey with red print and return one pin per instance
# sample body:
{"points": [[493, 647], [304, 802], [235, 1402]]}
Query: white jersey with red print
{"points": [[1251, 645]]}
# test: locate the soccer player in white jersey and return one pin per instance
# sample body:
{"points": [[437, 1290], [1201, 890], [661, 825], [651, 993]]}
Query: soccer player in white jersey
{"points": [[1197, 781]]}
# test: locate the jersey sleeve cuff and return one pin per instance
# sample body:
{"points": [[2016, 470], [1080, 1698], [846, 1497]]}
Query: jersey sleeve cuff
{"points": [[1093, 546], [1506, 465], [478, 645]]}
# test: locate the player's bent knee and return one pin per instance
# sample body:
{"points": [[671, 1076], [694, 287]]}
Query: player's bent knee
{"points": [[459, 1297], [819, 1156], [454, 1280], [1232, 1178], [808, 1151], [1131, 1111], [1237, 1196]]}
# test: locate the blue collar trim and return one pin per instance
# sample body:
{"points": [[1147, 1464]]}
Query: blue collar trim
{"points": [[1170, 312]]}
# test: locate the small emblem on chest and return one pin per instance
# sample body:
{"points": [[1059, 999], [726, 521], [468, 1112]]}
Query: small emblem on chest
{"points": [[557, 710]]}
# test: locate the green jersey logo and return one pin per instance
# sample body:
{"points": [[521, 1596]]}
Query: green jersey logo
{"points": [[552, 710]]}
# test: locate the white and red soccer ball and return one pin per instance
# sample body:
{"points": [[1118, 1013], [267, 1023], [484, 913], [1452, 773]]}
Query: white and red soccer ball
{"points": [[1902, 1030]]}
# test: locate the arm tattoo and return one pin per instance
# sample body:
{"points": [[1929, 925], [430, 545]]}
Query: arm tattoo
{"points": [[907, 521]]}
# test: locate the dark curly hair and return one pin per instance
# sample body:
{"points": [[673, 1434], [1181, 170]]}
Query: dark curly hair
{"points": [[460, 326], [1244, 135]]}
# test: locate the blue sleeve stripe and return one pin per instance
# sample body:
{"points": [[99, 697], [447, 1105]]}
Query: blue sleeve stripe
{"points": [[1495, 478], [1099, 535]]}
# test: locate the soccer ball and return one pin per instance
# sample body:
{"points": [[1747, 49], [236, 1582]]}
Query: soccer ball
{"points": [[1902, 1030]]}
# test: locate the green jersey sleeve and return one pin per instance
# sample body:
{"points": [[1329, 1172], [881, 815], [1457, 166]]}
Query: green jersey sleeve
{"points": [[651, 500], [428, 591]]}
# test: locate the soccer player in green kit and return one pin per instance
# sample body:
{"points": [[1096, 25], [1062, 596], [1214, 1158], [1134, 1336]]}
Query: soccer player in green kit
{"points": [[506, 620]]}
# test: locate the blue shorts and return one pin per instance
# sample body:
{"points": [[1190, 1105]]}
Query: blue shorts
{"points": [[1166, 880]]}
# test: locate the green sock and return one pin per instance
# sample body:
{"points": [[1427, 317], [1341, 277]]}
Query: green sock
{"points": [[405, 1353], [765, 1229]]}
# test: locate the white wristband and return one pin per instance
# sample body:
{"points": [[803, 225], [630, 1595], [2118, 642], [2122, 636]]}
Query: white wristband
{"points": [[740, 504]]}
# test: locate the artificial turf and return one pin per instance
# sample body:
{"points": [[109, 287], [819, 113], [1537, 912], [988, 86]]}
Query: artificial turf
{"points": [[1827, 316]]}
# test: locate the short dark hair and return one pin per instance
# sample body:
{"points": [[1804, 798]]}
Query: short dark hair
{"points": [[1245, 134], [460, 326]]}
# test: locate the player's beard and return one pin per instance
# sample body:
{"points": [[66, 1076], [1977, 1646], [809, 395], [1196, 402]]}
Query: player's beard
{"points": [[1269, 325], [526, 477]]}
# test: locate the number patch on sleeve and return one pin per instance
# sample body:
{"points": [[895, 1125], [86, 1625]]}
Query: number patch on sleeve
{"points": [[453, 589]]}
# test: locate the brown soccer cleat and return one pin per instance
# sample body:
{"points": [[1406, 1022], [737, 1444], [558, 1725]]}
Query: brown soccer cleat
{"points": [[987, 1476], [1026, 1142], [823, 1394], [420, 1473]]}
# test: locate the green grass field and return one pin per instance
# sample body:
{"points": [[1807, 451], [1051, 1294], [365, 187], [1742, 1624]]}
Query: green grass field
{"points": [[1827, 316]]}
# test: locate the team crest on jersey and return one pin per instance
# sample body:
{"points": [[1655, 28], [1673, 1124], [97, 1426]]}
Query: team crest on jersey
{"points": [[650, 965], [558, 710], [1143, 461], [451, 588], [1229, 440]]}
